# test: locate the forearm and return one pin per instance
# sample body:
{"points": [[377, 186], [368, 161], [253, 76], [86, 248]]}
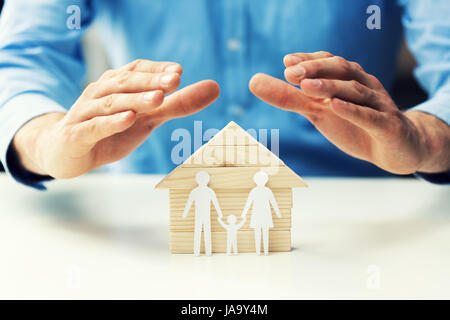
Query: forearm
{"points": [[219, 211], [187, 208], [28, 142], [434, 142]]}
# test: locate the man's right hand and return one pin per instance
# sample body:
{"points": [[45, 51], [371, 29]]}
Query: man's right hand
{"points": [[111, 118]]}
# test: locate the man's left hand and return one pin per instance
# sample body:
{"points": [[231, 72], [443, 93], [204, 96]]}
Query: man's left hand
{"points": [[352, 109]]}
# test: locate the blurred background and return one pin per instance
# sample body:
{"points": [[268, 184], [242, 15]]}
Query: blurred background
{"points": [[405, 91]]}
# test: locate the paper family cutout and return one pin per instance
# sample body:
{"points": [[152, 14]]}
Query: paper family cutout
{"points": [[202, 196], [260, 200]]}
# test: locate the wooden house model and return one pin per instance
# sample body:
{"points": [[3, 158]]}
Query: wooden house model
{"points": [[231, 158]]}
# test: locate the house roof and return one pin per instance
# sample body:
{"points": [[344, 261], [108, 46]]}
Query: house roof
{"points": [[232, 157]]}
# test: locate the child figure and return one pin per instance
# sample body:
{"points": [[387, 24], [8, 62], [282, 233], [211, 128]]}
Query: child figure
{"points": [[232, 229]]}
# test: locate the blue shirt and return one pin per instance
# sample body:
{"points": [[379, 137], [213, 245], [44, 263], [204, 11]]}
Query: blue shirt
{"points": [[42, 68]]}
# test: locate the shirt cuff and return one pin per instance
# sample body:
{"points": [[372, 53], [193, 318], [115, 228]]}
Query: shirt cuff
{"points": [[438, 106], [437, 178], [13, 115]]}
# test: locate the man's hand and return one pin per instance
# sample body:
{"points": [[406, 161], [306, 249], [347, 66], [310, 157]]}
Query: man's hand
{"points": [[110, 119], [353, 110]]}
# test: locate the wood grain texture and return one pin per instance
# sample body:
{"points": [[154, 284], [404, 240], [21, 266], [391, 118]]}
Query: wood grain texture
{"points": [[183, 242], [233, 156], [232, 177], [229, 198], [177, 223], [232, 135]]}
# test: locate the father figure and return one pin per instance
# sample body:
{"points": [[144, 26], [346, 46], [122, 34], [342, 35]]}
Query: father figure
{"points": [[202, 196]]}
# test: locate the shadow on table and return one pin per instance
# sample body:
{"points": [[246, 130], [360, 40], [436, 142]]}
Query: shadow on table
{"points": [[69, 211], [360, 237], [421, 223]]}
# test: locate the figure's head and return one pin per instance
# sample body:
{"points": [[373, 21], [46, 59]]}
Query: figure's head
{"points": [[202, 178], [260, 178], [231, 219]]}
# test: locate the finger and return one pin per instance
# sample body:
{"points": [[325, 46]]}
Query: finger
{"points": [[282, 95], [98, 128], [186, 101], [130, 81], [351, 91], [329, 68], [142, 65], [366, 118], [119, 102], [295, 58]]}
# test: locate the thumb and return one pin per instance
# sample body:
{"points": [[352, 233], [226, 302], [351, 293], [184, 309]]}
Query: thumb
{"points": [[186, 101]]}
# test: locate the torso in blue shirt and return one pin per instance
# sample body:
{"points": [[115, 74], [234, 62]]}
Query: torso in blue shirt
{"points": [[229, 41]]}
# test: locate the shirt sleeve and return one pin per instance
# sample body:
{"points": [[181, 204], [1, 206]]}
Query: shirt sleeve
{"points": [[41, 67], [427, 31]]}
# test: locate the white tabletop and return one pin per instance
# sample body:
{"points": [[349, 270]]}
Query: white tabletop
{"points": [[107, 237]]}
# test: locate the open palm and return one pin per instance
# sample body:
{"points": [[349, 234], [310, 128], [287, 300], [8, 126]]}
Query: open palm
{"points": [[348, 106]]}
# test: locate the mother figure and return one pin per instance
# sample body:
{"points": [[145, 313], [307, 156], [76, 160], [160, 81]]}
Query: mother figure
{"points": [[261, 219]]}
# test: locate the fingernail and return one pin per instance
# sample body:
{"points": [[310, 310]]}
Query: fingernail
{"points": [[148, 96], [340, 101], [166, 79], [297, 71], [125, 114], [315, 82], [293, 59], [172, 68]]}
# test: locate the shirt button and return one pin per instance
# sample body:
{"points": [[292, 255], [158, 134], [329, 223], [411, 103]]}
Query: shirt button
{"points": [[236, 110], [233, 44]]}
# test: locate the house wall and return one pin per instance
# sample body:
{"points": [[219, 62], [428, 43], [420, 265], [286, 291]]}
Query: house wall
{"points": [[231, 201], [231, 178]]}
